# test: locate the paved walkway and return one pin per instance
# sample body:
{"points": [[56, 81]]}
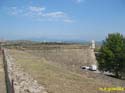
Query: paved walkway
{"points": [[2, 77]]}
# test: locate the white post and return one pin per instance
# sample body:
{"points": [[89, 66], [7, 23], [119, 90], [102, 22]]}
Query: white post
{"points": [[93, 44]]}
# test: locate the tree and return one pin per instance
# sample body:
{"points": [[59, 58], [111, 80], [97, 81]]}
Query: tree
{"points": [[112, 55], [123, 58]]}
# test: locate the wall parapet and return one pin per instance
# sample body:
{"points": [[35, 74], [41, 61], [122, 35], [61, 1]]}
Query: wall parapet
{"points": [[18, 81], [8, 79]]}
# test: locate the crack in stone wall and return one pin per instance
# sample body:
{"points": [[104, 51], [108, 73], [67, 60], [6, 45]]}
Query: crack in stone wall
{"points": [[23, 82]]}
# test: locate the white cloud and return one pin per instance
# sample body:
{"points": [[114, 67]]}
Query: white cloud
{"points": [[58, 14], [36, 9], [79, 1], [15, 11], [39, 13], [68, 21]]}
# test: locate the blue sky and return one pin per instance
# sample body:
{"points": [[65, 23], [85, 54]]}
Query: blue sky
{"points": [[61, 19]]}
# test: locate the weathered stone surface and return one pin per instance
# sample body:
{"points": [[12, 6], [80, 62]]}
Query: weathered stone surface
{"points": [[2, 77], [23, 82]]}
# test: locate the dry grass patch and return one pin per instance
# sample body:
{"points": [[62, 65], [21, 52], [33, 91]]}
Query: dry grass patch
{"points": [[56, 79]]}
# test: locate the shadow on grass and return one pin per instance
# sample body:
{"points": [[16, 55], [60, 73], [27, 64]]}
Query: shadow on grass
{"points": [[113, 76]]}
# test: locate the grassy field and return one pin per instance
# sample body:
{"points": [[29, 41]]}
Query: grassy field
{"points": [[57, 79]]}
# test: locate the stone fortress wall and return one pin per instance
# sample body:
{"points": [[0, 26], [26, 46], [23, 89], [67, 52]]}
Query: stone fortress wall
{"points": [[72, 56]]}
